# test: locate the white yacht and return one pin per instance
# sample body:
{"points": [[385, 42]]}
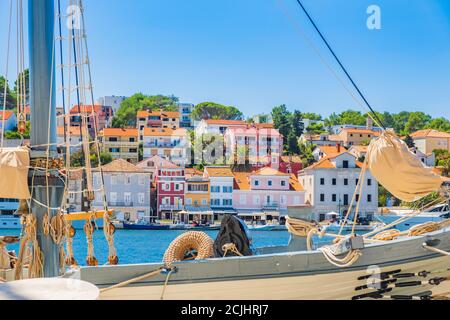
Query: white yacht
{"points": [[437, 213]]}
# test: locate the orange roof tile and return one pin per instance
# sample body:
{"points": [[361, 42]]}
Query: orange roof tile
{"points": [[269, 172], [219, 171], [86, 108], [294, 184], [332, 150], [242, 180], [120, 165], [164, 132], [8, 114], [430, 133], [120, 132]]}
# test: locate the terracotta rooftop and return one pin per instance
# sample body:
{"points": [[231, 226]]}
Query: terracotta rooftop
{"points": [[156, 161], [242, 181], [269, 172], [430, 133], [120, 165], [120, 132], [326, 163], [87, 108], [219, 171], [332, 150]]}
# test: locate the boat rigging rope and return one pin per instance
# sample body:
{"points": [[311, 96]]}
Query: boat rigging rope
{"points": [[70, 233], [166, 283], [436, 250], [231, 247], [5, 91], [374, 114]]}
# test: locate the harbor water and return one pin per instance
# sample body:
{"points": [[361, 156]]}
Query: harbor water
{"points": [[143, 246]]}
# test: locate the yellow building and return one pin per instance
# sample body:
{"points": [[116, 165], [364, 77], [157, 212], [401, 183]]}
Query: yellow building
{"points": [[121, 144], [429, 140], [197, 198], [351, 137]]}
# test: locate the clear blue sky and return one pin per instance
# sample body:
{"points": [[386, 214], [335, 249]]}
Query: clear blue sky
{"points": [[248, 53]]}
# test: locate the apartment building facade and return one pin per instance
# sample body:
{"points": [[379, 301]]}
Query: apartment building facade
{"points": [[170, 186], [121, 143], [168, 143], [221, 186], [157, 119]]}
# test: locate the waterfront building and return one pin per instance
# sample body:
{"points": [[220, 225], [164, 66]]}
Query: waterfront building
{"points": [[327, 151], [9, 119], [102, 116], [266, 193], [171, 144], [170, 188], [185, 110], [111, 101], [121, 143], [197, 198], [221, 186], [336, 129], [157, 119], [330, 184], [127, 189], [150, 164], [258, 145], [428, 140]]}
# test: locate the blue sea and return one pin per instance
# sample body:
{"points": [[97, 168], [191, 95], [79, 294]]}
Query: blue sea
{"points": [[136, 246]]}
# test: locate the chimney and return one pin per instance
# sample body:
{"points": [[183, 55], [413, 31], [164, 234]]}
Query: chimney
{"points": [[369, 123], [338, 147]]}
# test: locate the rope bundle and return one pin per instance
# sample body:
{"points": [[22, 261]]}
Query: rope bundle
{"points": [[109, 230], [300, 228], [187, 243], [91, 260], [29, 250]]}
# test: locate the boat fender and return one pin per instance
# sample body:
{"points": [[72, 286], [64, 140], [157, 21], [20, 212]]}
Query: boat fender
{"points": [[232, 231], [192, 245]]}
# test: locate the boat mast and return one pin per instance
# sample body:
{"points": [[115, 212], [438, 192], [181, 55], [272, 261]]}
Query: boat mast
{"points": [[41, 18]]}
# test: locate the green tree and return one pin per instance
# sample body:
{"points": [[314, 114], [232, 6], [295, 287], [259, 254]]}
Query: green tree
{"points": [[212, 110], [311, 116], [316, 128], [281, 117], [306, 154], [10, 96], [352, 117], [25, 77], [409, 141], [332, 120], [400, 120], [416, 121], [295, 120], [440, 124], [127, 113]]}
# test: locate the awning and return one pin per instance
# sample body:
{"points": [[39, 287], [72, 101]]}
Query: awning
{"points": [[199, 210]]}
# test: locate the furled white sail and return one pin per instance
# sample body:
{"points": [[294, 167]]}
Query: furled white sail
{"points": [[399, 170], [14, 164]]}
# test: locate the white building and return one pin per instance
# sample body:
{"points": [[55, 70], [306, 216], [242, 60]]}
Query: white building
{"points": [[427, 159], [111, 101], [185, 110], [217, 126], [330, 184], [222, 186], [167, 143]]}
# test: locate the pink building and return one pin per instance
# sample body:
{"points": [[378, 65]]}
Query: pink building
{"points": [[103, 117], [170, 188], [258, 144], [266, 192]]}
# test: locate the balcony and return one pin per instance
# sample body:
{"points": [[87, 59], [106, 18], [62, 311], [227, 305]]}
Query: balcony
{"points": [[171, 207], [120, 204], [271, 206]]}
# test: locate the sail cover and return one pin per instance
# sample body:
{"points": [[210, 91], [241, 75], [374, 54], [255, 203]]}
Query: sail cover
{"points": [[14, 164], [399, 170]]}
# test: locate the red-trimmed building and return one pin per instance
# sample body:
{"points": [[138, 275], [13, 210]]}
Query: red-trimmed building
{"points": [[103, 114], [170, 187]]}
